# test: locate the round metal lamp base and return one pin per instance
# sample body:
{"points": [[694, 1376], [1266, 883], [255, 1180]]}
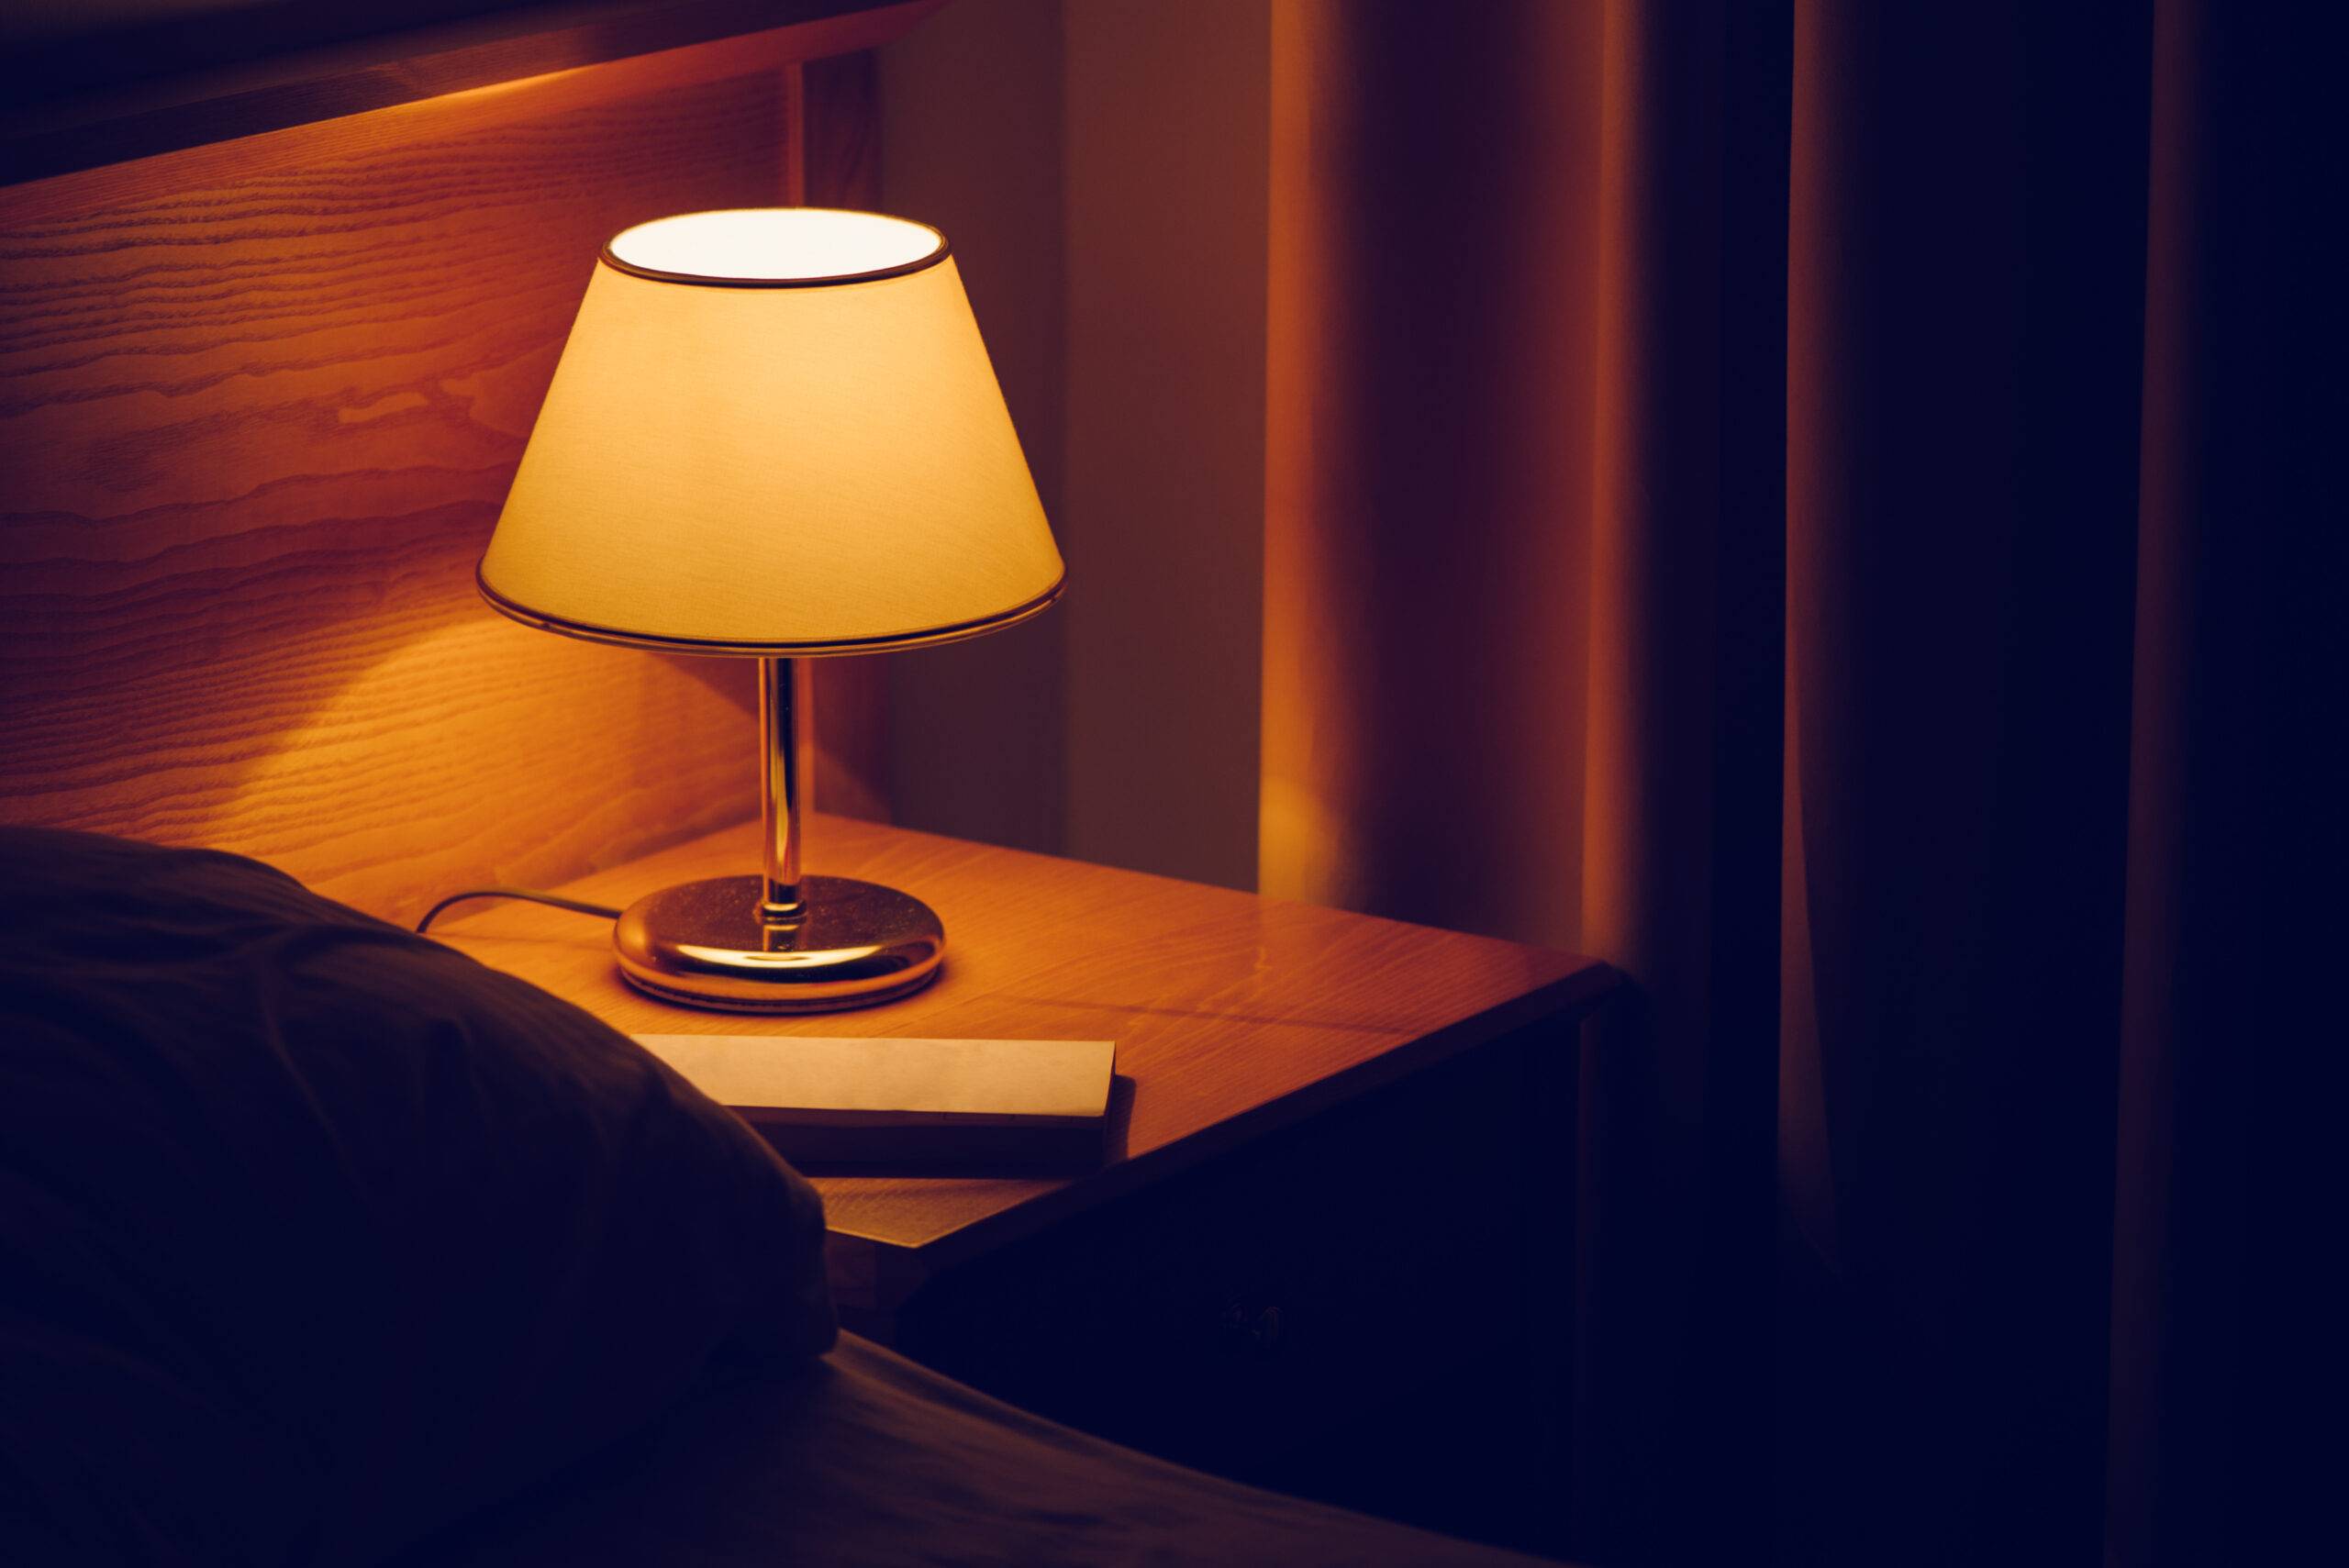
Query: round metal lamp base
{"points": [[855, 943]]}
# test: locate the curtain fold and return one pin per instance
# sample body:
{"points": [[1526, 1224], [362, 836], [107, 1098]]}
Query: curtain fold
{"points": [[1967, 251], [1427, 424], [1767, 493], [1685, 620], [2236, 782]]}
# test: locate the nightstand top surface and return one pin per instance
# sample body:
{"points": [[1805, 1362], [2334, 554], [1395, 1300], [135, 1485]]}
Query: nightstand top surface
{"points": [[1233, 1014]]}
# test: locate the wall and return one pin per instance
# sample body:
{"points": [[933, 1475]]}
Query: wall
{"points": [[970, 140], [1101, 166]]}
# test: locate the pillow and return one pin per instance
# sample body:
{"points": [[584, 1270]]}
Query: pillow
{"points": [[316, 1235]]}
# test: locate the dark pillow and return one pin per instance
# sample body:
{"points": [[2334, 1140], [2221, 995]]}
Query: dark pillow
{"points": [[316, 1235]]}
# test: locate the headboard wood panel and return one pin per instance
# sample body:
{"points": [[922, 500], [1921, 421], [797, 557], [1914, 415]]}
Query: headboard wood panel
{"points": [[258, 411]]}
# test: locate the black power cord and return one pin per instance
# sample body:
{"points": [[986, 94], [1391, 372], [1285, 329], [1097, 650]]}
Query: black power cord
{"points": [[576, 906]]}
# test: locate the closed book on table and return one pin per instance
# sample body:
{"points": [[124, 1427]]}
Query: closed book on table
{"points": [[829, 1101]]}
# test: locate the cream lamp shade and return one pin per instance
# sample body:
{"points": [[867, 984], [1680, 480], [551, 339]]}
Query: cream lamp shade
{"points": [[774, 431]]}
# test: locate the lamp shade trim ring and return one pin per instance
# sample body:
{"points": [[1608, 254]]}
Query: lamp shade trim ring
{"points": [[939, 252], [932, 638]]}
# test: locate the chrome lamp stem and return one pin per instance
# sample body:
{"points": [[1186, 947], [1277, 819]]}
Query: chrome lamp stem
{"points": [[782, 703], [785, 940]]}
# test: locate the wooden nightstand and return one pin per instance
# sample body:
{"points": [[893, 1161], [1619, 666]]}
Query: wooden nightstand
{"points": [[1328, 1249]]}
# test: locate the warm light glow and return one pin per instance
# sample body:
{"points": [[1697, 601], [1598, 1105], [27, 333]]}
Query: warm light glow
{"points": [[776, 244], [786, 469]]}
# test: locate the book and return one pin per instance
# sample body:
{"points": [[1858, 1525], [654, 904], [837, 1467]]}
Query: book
{"points": [[823, 1100]]}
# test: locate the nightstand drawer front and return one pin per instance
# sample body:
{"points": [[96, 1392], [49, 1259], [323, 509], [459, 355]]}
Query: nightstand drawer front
{"points": [[1274, 1311]]}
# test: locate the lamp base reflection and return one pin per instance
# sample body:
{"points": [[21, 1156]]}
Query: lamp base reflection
{"points": [[852, 944]]}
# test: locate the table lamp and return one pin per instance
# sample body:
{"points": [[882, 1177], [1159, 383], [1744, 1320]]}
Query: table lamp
{"points": [[775, 434]]}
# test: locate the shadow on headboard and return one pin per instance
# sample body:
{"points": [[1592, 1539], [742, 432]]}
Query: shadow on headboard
{"points": [[260, 401]]}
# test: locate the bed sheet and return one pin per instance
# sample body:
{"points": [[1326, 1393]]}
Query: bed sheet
{"points": [[864, 1458]]}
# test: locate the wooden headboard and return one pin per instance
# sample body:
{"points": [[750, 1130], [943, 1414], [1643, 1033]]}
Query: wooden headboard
{"points": [[260, 401]]}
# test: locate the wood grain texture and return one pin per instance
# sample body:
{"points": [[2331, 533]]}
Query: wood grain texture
{"points": [[259, 405], [1233, 1015], [248, 81]]}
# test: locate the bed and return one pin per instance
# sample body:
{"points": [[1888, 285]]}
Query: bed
{"points": [[323, 1243], [865, 1458]]}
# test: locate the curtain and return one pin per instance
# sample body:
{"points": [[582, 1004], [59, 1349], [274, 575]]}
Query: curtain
{"points": [[1811, 501]]}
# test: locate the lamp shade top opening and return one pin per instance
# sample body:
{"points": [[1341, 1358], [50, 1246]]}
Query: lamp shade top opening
{"points": [[776, 247], [810, 455]]}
